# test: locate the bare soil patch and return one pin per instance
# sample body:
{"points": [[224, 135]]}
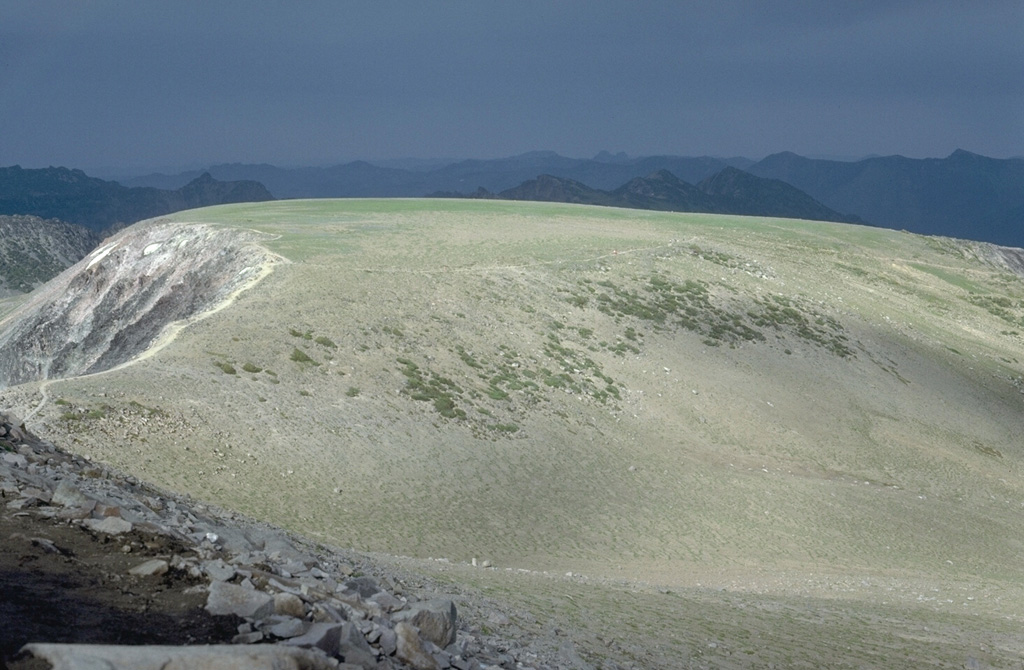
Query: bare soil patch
{"points": [[62, 583]]}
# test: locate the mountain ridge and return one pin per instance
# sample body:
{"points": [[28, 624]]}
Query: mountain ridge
{"points": [[963, 195], [730, 191], [72, 196]]}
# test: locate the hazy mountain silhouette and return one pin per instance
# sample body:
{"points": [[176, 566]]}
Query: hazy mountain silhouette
{"points": [[739, 192], [75, 197], [555, 189], [731, 191], [363, 179], [663, 190], [963, 195]]}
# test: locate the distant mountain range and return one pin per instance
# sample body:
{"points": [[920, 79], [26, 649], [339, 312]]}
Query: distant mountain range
{"points": [[74, 197], [363, 179], [963, 195], [730, 191]]}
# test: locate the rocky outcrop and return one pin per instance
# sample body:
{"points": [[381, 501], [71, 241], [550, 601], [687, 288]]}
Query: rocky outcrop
{"points": [[296, 607], [115, 303]]}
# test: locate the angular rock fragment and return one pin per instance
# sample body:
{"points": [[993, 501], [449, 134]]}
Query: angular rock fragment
{"points": [[218, 571], [68, 495], [110, 525], [387, 602], [353, 648], [410, 648], [323, 636], [151, 568], [225, 598], [436, 620], [288, 627], [289, 604], [388, 641]]}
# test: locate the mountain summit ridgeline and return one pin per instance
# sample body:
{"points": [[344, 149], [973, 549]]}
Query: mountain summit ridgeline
{"points": [[963, 195]]}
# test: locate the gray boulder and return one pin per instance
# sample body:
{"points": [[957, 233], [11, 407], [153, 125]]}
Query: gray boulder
{"points": [[436, 620], [288, 627], [354, 649], [365, 587], [152, 568], [410, 648], [228, 598], [323, 636], [68, 495], [110, 525]]}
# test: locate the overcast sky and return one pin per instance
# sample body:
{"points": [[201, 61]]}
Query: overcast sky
{"points": [[135, 83]]}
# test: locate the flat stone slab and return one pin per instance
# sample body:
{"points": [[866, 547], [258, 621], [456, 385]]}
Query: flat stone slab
{"points": [[215, 657], [151, 568], [110, 525]]}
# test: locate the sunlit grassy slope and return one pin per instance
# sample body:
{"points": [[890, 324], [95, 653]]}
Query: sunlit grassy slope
{"points": [[623, 393]]}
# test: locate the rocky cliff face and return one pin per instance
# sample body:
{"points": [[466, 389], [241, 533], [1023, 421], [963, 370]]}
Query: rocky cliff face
{"points": [[115, 303]]}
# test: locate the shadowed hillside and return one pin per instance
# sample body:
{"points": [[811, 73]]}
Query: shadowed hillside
{"points": [[33, 250]]}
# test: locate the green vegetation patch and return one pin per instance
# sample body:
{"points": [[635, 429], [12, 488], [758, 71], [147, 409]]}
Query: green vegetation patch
{"points": [[300, 356], [789, 315], [667, 305], [86, 413], [144, 410], [716, 257], [664, 304], [432, 387], [1007, 309], [947, 276]]}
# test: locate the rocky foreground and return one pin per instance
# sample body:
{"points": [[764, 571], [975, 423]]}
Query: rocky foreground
{"points": [[100, 570]]}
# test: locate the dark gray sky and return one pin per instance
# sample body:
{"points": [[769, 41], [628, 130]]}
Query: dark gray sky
{"points": [[137, 83]]}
